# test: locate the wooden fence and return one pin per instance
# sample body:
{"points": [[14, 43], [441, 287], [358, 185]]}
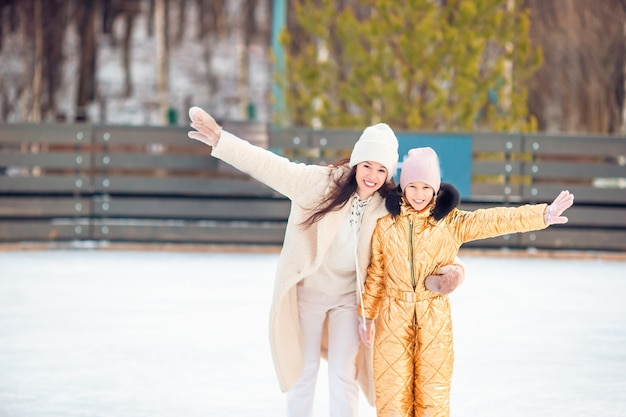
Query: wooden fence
{"points": [[82, 182]]}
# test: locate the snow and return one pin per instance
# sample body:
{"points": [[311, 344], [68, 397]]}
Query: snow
{"points": [[132, 333]]}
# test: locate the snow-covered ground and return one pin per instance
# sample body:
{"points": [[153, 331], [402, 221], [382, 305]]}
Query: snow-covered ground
{"points": [[90, 333]]}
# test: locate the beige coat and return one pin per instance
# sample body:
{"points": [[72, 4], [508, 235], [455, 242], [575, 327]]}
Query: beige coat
{"points": [[303, 249], [413, 352]]}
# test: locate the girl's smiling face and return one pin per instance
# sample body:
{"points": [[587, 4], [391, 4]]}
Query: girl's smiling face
{"points": [[419, 195], [370, 176]]}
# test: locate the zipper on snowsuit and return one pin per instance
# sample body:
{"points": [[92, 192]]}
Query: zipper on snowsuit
{"points": [[412, 263], [411, 254]]}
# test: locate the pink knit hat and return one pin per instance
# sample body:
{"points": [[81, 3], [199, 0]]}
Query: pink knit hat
{"points": [[421, 164]]}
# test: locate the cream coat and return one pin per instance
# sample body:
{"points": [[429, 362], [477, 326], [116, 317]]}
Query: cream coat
{"points": [[303, 249]]}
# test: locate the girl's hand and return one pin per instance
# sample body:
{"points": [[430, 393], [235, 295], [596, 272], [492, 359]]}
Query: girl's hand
{"points": [[561, 203], [207, 129]]}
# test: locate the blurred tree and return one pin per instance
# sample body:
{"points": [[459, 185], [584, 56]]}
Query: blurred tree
{"points": [[250, 30], [421, 64], [8, 8], [34, 115], [151, 6], [130, 12], [580, 87], [4, 4], [31, 77], [211, 17], [25, 13], [127, 11], [162, 56], [211, 28], [33, 74], [11, 89], [55, 23], [182, 22], [86, 12]]}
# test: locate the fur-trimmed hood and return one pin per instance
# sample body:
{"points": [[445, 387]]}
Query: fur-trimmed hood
{"points": [[447, 199]]}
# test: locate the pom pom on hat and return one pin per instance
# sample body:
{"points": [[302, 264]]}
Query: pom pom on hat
{"points": [[421, 164], [378, 144]]}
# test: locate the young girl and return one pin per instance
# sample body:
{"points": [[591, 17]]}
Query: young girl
{"points": [[325, 252], [413, 353]]}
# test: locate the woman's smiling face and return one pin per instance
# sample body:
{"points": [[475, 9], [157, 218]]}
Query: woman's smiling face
{"points": [[370, 176]]}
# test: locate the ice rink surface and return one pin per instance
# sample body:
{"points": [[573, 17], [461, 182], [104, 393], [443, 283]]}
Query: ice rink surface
{"points": [[101, 333]]}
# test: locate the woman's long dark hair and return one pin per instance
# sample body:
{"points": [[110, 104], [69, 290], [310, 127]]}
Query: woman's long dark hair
{"points": [[344, 188]]}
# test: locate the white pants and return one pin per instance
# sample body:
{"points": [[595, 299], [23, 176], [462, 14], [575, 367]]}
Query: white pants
{"points": [[343, 347]]}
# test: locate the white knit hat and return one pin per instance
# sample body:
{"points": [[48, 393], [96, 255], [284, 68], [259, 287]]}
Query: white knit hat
{"points": [[421, 164], [378, 144]]}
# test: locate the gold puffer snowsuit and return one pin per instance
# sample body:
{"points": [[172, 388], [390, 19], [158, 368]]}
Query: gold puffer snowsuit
{"points": [[413, 352]]}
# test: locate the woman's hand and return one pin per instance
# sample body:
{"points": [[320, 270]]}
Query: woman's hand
{"points": [[207, 129], [366, 331], [446, 281]]}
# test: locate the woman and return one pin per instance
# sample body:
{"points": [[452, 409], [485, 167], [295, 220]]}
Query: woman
{"points": [[326, 251]]}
